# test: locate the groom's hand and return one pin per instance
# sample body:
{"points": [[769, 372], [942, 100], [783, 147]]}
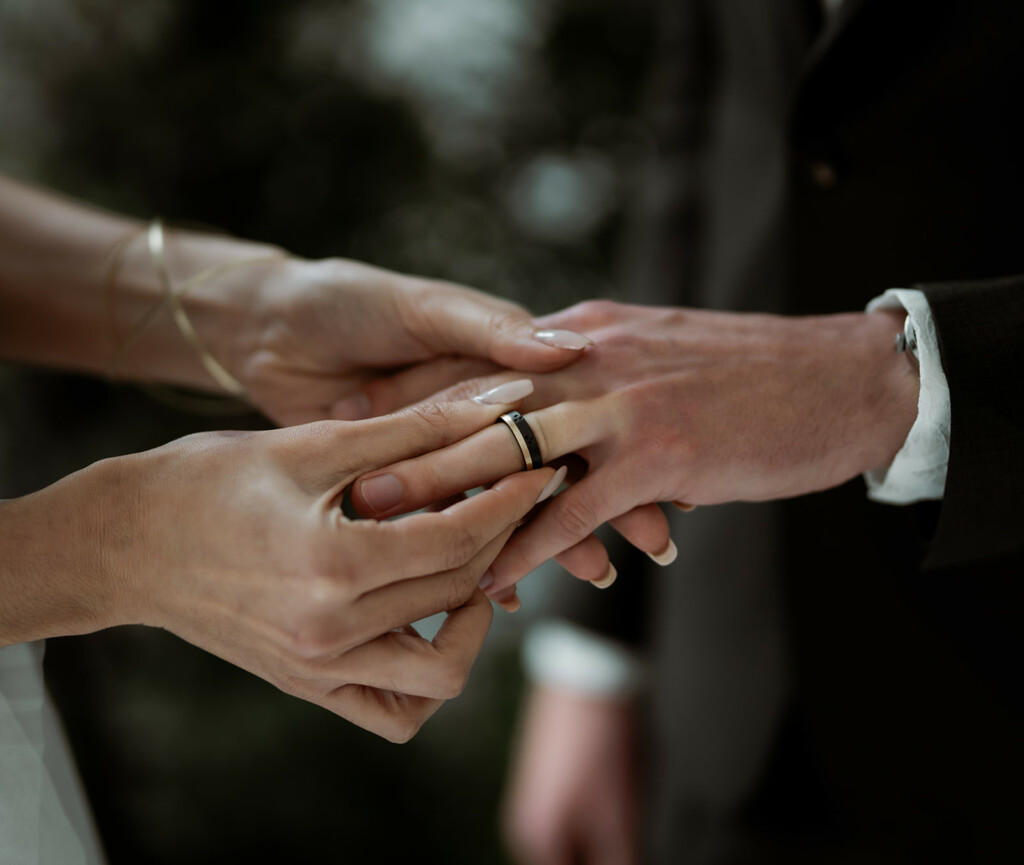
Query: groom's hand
{"points": [[683, 406], [572, 798]]}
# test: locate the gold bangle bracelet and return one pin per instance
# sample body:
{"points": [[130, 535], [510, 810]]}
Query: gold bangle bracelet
{"points": [[171, 300]]}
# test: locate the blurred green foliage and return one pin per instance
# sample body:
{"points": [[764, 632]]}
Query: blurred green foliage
{"points": [[491, 142]]}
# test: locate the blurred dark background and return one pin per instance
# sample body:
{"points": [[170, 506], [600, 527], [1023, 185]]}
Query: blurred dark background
{"points": [[491, 142]]}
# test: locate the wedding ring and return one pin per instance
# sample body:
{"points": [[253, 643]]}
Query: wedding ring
{"points": [[524, 437]]}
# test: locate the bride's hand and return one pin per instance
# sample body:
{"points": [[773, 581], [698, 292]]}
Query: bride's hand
{"points": [[682, 406], [320, 335], [236, 542], [304, 340]]}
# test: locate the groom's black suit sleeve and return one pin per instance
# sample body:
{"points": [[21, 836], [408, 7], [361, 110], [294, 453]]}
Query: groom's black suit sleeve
{"points": [[916, 109], [886, 151], [981, 340]]}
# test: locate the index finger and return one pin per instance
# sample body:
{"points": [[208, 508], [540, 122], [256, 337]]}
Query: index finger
{"points": [[388, 393], [431, 543], [409, 664], [457, 320], [330, 454]]}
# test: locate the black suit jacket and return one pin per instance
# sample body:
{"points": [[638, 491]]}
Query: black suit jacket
{"points": [[828, 669]]}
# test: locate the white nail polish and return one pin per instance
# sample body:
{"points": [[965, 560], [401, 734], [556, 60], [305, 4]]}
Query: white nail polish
{"points": [[563, 339], [607, 579], [507, 393], [552, 485], [666, 556]]}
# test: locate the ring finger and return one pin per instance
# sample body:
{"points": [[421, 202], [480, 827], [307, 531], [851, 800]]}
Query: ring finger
{"points": [[482, 458]]}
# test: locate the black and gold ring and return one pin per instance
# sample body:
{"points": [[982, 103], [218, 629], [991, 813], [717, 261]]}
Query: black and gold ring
{"points": [[524, 437]]}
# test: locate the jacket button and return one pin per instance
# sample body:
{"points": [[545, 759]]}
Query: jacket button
{"points": [[823, 174]]}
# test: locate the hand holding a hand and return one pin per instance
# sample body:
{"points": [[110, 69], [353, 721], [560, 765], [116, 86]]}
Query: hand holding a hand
{"points": [[237, 543], [685, 406]]}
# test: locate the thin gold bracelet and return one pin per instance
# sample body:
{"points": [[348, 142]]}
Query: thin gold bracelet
{"points": [[171, 298]]}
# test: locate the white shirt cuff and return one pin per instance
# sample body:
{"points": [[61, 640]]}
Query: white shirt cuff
{"points": [[919, 470], [569, 658]]}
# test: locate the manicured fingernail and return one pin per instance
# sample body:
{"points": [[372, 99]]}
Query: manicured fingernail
{"points": [[506, 394], [381, 492], [563, 339], [552, 485], [666, 556], [685, 507], [487, 580], [354, 407], [607, 579], [508, 600]]}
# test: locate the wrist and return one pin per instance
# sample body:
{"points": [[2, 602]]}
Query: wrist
{"points": [[214, 281], [894, 393], [61, 548]]}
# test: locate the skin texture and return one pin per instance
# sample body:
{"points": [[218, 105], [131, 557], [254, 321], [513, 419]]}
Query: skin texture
{"points": [[301, 336], [320, 332], [678, 405], [573, 796], [236, 542], [662, 405]]}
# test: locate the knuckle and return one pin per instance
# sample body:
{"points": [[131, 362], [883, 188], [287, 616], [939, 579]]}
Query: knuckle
{"points": [[598, 310], [316, 634], [298, 449], [460, 546], [575, 518], [451, 679], [592, 314], [468, 388], [499, 323], [504, 326], [438, 418], [333, 667], [459, 592], [301, 439], [623, 341], [432, 414], [427, 477], [307, 643], [402, 727]]}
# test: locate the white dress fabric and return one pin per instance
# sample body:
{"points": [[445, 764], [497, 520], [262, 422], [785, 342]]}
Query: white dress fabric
{"points": [[44, 819]]}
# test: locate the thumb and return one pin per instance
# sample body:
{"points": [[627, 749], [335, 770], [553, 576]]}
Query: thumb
{"points": [[455, 320]]}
